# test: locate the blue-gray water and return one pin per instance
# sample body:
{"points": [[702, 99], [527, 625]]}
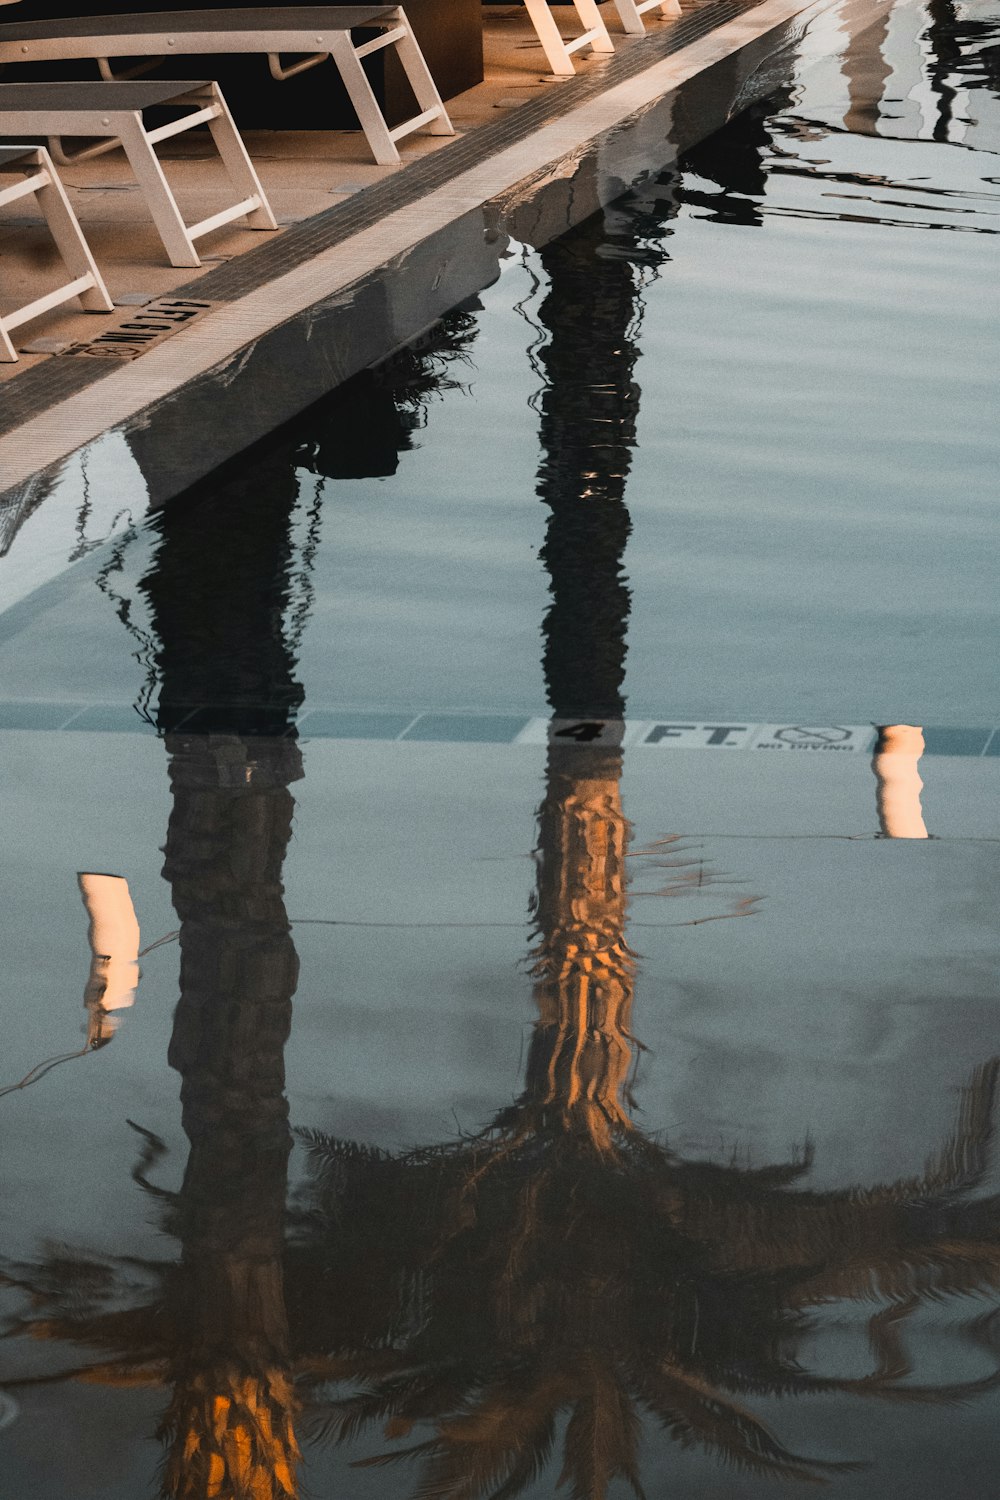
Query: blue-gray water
{"points": [[812, 490], [643, 1097]]}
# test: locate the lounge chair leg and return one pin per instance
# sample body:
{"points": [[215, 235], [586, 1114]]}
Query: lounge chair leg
{"points": [[593, 21], [631, 15], [70, 158], [71, 244], [366, 105], [237, 163], [414, 65], [110, 76], [159, 199], [628, 14], [549, 35], [8, 354]]}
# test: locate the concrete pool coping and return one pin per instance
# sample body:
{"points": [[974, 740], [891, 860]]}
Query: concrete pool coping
{"points": [[428, 226]]}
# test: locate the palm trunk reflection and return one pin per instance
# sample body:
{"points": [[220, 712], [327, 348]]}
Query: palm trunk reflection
{"points": [[229, 1423], [216, 1331], [581, 1052], [228, 695]]}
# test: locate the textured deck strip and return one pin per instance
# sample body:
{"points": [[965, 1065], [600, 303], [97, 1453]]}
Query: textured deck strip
{"points": [[48, 384]]}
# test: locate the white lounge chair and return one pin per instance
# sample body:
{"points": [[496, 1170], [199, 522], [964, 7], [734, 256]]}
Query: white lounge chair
{"points": [[555, 46], [24, 171], [558, 49], [318, 31], [110, 114], [631, 12]]}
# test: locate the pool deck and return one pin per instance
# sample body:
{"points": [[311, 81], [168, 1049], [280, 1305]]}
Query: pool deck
{"points": [[365, 258]]}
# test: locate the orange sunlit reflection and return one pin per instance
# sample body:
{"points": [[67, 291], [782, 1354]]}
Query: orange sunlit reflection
{"points": [[114, 946], [896, 764]]}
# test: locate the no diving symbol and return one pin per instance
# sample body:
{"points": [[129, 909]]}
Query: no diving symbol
{"points": [[796, 734]]}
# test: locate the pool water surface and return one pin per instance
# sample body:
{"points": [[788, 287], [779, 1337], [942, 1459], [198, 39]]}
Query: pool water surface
{"points": [[525, 838]]}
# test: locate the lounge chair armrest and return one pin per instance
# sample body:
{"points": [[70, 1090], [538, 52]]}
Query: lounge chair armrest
{"points": [[107, 72], [280, 72], [64, 158]]}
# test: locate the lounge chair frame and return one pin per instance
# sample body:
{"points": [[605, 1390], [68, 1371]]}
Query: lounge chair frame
{"points": [[558, 51], [310, 34], [33, 174], [631, 13], [110, 114]]}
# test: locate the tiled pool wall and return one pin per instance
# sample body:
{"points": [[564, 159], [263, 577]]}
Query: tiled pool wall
{"points": [[675, 732]]}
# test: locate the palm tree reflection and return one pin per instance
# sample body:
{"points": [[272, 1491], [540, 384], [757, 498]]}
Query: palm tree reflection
{"points": [[581, 1051], [212, 1327], [562, 1272], [226, 670], [229, 1423], [226, 609], [732, 161], [227, 700]]}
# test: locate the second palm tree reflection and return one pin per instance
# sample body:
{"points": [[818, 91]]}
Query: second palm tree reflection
{"points": [[562, 1272]]}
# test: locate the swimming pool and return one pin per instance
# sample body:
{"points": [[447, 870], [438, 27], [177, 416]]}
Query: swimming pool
{"points": [[532, 711]]}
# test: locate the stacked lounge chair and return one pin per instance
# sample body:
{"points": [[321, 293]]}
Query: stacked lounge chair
{"points": [[111, 114], [595, 33], [312, 34]]}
